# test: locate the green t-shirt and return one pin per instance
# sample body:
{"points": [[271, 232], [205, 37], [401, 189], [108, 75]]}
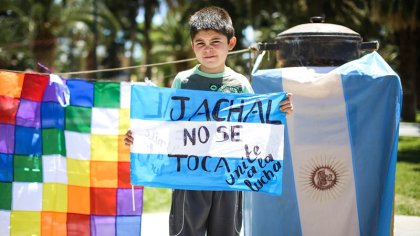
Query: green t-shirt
{"points": [[227, 81]]}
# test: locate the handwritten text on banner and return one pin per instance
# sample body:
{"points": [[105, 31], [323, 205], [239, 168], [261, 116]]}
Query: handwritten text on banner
{"points": [[199, 140]]}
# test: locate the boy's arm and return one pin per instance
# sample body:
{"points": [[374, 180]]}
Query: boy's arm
{"points": [[286, 105]]}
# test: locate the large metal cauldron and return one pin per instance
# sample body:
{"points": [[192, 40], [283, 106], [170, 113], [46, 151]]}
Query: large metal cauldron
{"points": [[318, 44]]}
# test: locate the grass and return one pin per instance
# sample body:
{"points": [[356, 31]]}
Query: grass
{"points": [[407, 185], [407, 181], [156, 199]]}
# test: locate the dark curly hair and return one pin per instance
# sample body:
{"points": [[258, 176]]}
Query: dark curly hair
{"points": [[211, 18]]}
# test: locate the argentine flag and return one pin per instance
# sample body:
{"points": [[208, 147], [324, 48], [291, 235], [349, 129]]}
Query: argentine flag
{"points": [[340, 153], [203, 140]]}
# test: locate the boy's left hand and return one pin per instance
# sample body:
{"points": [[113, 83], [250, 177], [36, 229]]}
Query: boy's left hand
{"points": [[286, 105]]}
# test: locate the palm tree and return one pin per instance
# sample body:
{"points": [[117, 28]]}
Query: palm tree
{"points": [[403, 18], [14, 46], [47, 20], [135, 18], [126, 13], [150, 7], [174, 42]]}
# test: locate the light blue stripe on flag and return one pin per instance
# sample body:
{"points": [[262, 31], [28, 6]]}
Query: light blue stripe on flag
{"points": [[374, 98], [372, 94], [200, 140]]}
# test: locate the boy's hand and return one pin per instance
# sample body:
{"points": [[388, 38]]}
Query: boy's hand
{"points": [[128, 140], [286, 105]]}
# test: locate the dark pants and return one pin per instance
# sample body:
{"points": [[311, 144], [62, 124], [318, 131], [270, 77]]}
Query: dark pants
{"points": [[195, 213]]}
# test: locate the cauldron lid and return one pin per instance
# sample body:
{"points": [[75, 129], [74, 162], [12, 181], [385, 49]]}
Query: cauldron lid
{"points": [[317, 28]]}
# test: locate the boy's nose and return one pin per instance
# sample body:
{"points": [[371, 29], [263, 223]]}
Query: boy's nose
{"points": [[208, 48]]}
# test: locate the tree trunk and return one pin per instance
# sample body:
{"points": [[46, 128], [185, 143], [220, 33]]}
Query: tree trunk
{"points": [[315, 8], [132, 15], [407, 71], [90, 61], [417, 32], [43, 49], [148, 15]]}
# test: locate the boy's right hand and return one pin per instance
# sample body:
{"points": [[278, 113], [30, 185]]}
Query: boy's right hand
{"points": [[286, 105], [128, 140]]}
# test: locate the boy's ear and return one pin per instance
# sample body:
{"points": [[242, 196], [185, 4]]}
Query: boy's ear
{"points": [[232, 42]]}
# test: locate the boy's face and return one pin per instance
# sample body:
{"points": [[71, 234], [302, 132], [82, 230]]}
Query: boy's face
{"points": [[211, 49]]}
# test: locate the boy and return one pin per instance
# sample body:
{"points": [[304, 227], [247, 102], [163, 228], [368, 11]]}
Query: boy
{"points": [[211, 213]]}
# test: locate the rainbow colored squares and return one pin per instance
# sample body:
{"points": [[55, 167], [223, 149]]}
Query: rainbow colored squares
{"points": [[65, 170]]}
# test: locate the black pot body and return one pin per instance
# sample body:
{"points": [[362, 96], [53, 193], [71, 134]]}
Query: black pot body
{"points": [[316, 50]]}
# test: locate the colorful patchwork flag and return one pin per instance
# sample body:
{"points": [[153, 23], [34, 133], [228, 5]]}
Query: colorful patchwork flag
{"points": [[202, 140], [65, 170], [341, 151]]}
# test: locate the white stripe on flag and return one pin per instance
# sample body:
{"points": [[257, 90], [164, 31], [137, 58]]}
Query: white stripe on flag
{"points": [[321, 153], [217, 139]]}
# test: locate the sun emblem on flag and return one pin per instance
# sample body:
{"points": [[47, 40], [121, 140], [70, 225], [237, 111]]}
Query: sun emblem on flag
{"points": [[323, 178]]}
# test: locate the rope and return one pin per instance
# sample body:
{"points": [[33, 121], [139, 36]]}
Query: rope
{"points": [[131, 67], [126, 68], [143, 66]]}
